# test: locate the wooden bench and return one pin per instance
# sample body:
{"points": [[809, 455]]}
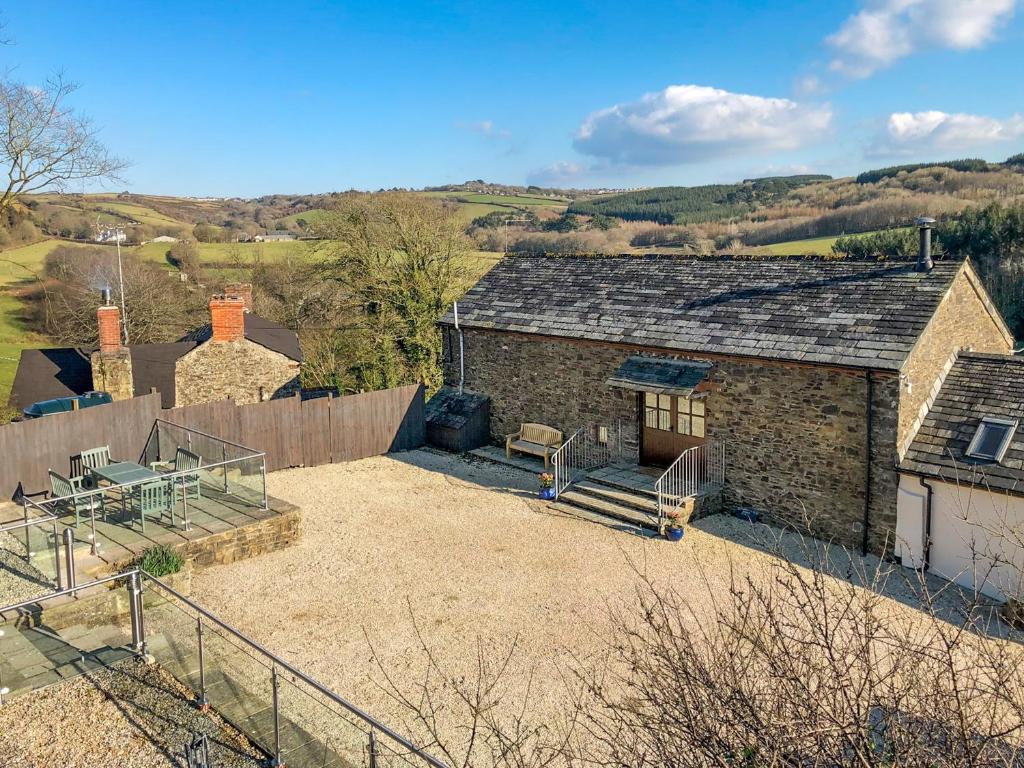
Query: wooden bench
{"points": [[535, 439]]}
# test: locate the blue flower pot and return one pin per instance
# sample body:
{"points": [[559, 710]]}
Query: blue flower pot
{"points": [[547, 493], [673, 534]]}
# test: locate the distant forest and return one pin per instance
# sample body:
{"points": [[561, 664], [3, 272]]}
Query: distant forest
{"points": [[694, 205]]}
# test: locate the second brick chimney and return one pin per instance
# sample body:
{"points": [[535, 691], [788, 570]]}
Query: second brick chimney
{"points": [[227, 318], [241, 291]]}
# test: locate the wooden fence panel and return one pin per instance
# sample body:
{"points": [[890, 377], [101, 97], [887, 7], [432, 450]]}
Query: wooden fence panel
{"points": [[275, 427], [289, 431], [219, 418], [29, 448], [316, 431], [373, 423]]}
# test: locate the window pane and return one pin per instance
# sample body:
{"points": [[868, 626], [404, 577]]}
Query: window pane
{"points": [[697, 407], [665, 401], [682, 405], [651, 417], [650, 399], [698, 426], [684, 424], [664, 421]]}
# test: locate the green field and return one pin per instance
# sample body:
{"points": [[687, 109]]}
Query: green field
{"points": [[821, 246]]}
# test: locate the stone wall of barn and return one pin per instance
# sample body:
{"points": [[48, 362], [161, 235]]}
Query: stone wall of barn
{"points": [[243, 370], [795, 435], [965, 320]]}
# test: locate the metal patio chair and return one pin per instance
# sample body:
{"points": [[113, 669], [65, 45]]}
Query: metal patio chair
{"points": [[184, 461], [154, 497], [63, 488]]}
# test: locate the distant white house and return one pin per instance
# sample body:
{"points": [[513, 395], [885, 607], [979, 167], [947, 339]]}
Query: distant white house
{"points": [[275, 236], [110, 235], [164, 239]]}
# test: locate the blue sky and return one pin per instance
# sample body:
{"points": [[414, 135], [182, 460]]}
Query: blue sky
{"points": [[210, 98]]}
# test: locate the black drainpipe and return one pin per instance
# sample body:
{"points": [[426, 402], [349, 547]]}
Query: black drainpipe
{"points": [[867, 473], [927, 551]]}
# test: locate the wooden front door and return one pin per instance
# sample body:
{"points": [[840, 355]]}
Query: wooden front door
{"points": [[671, 424]]}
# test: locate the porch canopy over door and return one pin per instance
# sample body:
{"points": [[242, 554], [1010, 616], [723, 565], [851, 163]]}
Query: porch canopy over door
{"points": [[659, 375], [672, 417]]}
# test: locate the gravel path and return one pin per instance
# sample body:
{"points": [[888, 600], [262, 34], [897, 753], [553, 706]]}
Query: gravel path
{"points": [[129, 715], [466, 549], [19, 579]]}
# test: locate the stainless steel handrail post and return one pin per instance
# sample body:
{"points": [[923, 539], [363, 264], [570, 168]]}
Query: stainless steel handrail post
{"points": [[135, 610], [204, 704], [373, 749], [224, 460], [69, 559], [56, 557], [263, 472], [277, 717], [94, 545], [28, 534]]}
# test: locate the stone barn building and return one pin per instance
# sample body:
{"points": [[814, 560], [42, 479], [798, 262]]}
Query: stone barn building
{"points": [[811, 375]]}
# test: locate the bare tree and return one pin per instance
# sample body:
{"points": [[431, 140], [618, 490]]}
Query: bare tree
{"points": [[160, 307], [44, 143], [811, 657]]}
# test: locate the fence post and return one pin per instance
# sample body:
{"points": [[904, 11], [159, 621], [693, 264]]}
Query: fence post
{"points": [[204, 705], [69, 559], [277, 718]]}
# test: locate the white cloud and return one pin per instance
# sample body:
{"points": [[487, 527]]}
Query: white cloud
{"points": [[911, 132], [692, 123], [887, 30], [557, 174]]}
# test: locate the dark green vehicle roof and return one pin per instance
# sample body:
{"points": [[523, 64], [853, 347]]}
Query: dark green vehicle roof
{"points": [[65, 404]]}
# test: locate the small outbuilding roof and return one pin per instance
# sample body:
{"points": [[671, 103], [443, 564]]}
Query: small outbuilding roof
{"points": [[857, 313], [978, 386], [264, 332]]}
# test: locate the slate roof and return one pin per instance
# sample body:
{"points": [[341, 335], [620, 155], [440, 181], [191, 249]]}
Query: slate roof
{"points": [[63, 371], [977, 385], [153, 367], [865, 314], [261, 331], [447, 408], [44, 374]]}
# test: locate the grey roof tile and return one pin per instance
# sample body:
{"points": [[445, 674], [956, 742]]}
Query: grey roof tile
{"points": [[977, 385], [842, 312]]}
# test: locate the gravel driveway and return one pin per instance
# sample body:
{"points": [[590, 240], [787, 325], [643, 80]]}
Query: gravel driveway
{"points": [[465, 548]]}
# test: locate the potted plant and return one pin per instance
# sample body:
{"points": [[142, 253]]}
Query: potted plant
{"points": [[547, 485], [673, 527]]}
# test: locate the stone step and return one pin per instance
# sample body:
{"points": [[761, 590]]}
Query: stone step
{"points": [[617, 495], [608, 508]]}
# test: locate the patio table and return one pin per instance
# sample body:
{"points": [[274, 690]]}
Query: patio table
{"points": [[122, 472]]}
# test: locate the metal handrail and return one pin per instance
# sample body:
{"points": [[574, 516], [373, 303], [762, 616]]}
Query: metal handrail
{"points": [[212, 437], [694, 471], [162, 476], [352, 708], [137, 576], [582, 451], [563, 468]]}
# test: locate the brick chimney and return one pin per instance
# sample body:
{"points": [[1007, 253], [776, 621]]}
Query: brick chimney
{"points": [[227, 318], [108, 318], [241, 291], [112, 362]]}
